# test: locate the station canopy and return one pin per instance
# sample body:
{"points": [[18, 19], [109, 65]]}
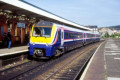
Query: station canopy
{"points": [[21, 7]]}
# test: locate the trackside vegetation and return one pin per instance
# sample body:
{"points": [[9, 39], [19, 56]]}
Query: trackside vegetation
{"points": [[114, 36]]}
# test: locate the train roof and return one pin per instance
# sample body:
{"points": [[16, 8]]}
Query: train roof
{"points": [[50, 24], [44, 23]]}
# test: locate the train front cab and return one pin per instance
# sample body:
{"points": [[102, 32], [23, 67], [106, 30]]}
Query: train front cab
{"points": [[42, 41]]}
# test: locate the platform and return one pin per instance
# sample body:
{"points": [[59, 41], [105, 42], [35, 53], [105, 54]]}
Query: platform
{"points": [[13, 50], [105, 63]]}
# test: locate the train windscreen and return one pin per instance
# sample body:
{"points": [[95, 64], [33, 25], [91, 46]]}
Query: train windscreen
{"points": [[42, 31]]}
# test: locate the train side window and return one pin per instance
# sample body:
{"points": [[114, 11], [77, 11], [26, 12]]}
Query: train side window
{"points": [[62, 35], [80, 35], [92, 35], [76, 35], [66, 35], [70, 36], [59, 36], [88, 35]]}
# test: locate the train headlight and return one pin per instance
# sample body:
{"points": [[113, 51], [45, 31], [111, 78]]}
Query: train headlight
{"points": [[32, 43], [47, 44], [38, 52]]}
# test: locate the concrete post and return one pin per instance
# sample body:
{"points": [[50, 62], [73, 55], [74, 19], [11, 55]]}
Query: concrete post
{"points": [[0, 62]]}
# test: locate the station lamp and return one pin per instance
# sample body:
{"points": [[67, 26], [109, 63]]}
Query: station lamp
{"points": [[7, 11]]}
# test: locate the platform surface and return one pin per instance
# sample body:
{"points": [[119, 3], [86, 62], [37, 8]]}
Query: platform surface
{"points": [[13, 50], [105, 64]]}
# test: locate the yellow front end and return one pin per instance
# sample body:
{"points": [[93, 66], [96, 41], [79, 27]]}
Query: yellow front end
{"points": [[43, 39]]}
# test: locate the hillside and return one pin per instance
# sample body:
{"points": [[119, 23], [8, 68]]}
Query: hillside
{"points": [[115, 27]]}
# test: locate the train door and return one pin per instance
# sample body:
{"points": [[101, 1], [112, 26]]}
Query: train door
{"points": [[62, 37], [84, 36]]}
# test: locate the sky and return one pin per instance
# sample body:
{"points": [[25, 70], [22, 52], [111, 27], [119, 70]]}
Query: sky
{"points": [[102, 13]]}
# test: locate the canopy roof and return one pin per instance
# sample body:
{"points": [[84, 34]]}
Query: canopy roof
{"points": [[21, 7]]}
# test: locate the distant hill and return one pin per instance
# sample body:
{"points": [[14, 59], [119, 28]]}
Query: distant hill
{"points": [[111, 30], [115, 27]]}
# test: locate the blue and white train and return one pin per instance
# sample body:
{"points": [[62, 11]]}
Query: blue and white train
{"points": [[49, 39]]}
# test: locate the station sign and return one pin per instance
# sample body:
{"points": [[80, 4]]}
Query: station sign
{"points": [[21, 25]]}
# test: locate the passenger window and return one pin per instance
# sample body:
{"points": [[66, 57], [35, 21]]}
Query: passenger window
{"points": [[66, 35], [70, 35], [59, 36], [62, 35]]}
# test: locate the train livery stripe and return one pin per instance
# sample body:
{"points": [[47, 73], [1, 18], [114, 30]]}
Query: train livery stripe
{"points": [[56, 38]]}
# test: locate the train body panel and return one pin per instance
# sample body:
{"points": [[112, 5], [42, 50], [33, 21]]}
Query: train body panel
{"points": [[50, 39]]}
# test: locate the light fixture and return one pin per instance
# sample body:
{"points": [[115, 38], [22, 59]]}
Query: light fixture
{"points": [[8, 11], [23, 15], [34, 18], [0, 9]]}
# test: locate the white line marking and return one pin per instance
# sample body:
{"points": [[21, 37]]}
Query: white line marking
{"points": [[85, 71], [113, 78], [112, 51], [107, 47], [117, 58], [13, 52], [117, 49], [110, 54]]}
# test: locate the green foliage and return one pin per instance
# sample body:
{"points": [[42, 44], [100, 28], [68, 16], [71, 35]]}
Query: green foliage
{"points": [[115, 35], [106, 35]]}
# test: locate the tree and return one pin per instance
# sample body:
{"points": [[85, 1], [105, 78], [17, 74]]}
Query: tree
{"points": [[106, 35]]}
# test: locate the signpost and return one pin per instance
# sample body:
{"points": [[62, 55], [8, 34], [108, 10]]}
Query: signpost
{"points": [[21, 25]]}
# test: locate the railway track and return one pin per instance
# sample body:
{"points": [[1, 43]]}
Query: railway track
{"points": [[65, 67], [70, 68]]}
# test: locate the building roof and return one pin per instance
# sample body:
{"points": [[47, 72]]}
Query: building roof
{"points": [[21, 7], [92, 26]]}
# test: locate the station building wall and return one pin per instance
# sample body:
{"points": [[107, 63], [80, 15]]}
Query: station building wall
{"points": [[18, 34]]}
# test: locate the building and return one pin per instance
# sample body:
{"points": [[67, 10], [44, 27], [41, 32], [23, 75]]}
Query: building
{"points": [[18, 26], [93, 27], [106, 30]]}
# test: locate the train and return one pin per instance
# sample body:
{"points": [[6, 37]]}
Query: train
{"points": [[48, 39]]}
